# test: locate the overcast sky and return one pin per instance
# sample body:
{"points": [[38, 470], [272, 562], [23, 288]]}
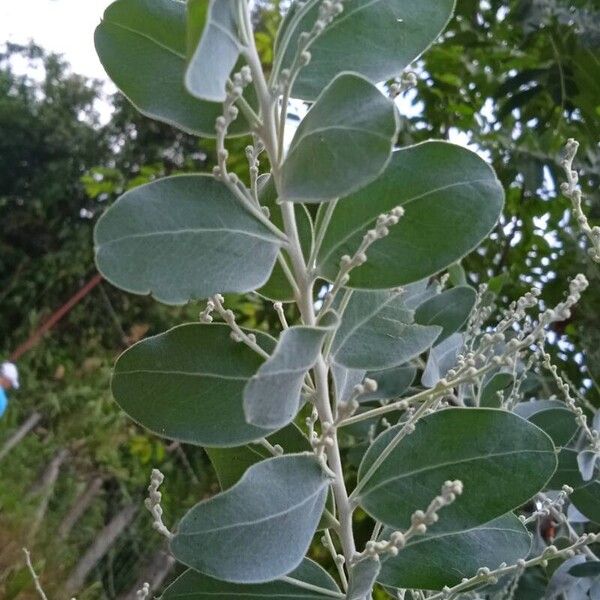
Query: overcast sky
{"points": [[65, 26]]}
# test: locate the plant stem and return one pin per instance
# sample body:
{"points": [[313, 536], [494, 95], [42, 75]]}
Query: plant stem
{"points": [[304, 297], [312, 588]]}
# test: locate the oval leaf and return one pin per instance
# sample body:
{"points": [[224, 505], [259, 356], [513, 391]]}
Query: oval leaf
{"points": [[231, 463], [272, 397], [142, 46], [344, 142], [552, 416], [451, 199], [182, 238], [362, 576], [567, 472], [391, 383], [237, 535], [450, 310], [587, 500], [501, 459], [434, 561], [498, 382], [187, 385], [441, 359], [216, 54], [377, 332], [377, 38], [195, 586]]}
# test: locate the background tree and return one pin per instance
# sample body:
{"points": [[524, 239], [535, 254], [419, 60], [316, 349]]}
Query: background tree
{"points": [[517, 78]]}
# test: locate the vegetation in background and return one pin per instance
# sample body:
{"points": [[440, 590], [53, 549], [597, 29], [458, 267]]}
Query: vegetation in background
{"points": [[517, 90]]}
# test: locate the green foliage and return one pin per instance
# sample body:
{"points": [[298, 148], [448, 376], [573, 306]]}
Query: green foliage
{"points": [[517, 90], [195, 586], [188, 358], [500, 458], [139, 39], [403, 33], [236, 536], [344, 142], [451, 199], [190, 223], [391, 219], [438, 560]]}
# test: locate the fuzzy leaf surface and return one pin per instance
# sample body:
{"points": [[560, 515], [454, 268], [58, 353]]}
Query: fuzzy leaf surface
{"points": [[231, 463], [183, 238], [259, 529], [587, 500], [450, 310], [441, 359], [501, 459], [377, 332], [377, 38], [362, 578], [272, 397], [217, 52], [434, 561], [552, 416], [142, 45], [196, 586], [344, 142], [452, 200], [187, 384]]}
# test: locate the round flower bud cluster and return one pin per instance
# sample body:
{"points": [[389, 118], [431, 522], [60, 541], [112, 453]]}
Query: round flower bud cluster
{"points": [[234, 89], [152, 503], [420, 521], [571, 190]]}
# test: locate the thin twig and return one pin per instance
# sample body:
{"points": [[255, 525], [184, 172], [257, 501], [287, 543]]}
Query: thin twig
{"points": [[34, 575]]}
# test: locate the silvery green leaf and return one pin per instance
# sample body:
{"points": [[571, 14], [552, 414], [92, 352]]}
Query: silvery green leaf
{"points": [[183, 238], [415, 294], [498, 382], [272, 397], [391, 383], [432, 561], [552, 416], [450, 310], [362, 576], [441, 359], [586, 460], [142, 46], [345, 380], [231, 463], [260, 529], [217, 53], [567, 472], [377, 332], [590, 568], [501, 459], [574, 516], [587, 500], [451, 198], [378, 38], [186, 384], [596, 421], [562, 584], [195, 586], [344, 142]]}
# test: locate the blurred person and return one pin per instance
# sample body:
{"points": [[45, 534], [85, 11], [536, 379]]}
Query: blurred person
{"points": [[9, 379]]}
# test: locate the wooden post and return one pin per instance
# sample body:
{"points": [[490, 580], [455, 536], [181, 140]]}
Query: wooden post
{"points": [[102, 544], [19, 434], [154, 573], [80, 506]]}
